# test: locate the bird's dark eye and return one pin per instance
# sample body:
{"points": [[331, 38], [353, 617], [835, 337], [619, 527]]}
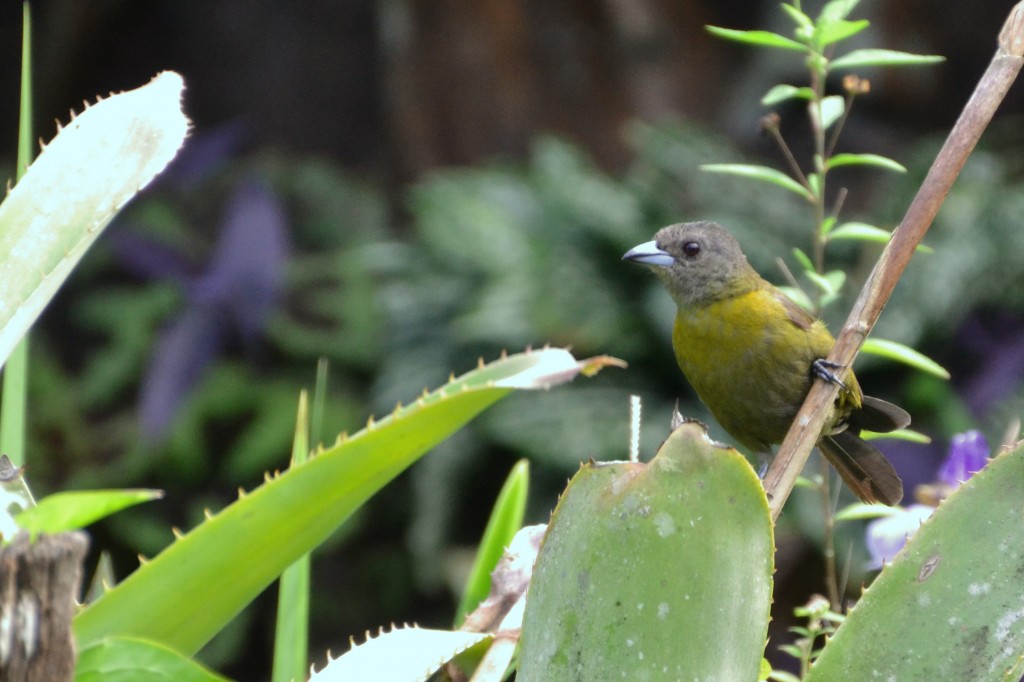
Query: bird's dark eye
{"points": [[691, 249]]}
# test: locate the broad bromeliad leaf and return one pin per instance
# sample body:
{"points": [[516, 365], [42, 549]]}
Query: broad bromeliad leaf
{"points": [[79, 182], [185, 595], [951, 605], [648, 568], [126, 659]]}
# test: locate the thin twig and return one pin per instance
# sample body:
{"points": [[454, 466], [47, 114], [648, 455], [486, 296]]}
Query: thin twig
{"points": [[828, 538], [976, 115], [790, 159]]}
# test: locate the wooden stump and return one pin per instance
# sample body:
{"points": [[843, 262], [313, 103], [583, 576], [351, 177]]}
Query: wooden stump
{"points": [[39, 583]]}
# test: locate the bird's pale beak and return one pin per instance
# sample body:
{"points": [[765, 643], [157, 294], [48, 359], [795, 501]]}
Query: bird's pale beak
{"points": [[648, 253]]}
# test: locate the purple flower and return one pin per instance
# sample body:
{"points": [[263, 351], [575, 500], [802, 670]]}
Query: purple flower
{"points": [[886, 536], [968, 454]]}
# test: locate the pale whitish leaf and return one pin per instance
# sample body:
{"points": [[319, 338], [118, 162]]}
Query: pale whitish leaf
{"points": [[762, 173], [865, 160], [832, 108], [780, 93], [408, 653], [803, 259], [876, 57], [836, 10], [861, 511], [833, 32], [761, 38], [73, 189], [905, 354]]}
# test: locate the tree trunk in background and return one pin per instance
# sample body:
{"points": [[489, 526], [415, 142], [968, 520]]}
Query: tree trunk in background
{"points": [[38, 585], [471, 79]]}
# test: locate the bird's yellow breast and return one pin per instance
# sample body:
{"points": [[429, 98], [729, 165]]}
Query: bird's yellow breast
{"points": [[749, 362]]}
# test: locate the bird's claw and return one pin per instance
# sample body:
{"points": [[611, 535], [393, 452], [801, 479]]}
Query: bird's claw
{"points": [[762, 465], [822, 369]]}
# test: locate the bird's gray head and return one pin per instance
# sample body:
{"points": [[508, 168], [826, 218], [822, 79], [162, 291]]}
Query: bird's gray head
{"points": [[698, 262]]}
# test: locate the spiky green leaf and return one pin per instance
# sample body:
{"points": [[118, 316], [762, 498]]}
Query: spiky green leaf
{"points": [[79, 182], [636, 554], [505, 521], [269, 528], [950, 604], [129, 659]]}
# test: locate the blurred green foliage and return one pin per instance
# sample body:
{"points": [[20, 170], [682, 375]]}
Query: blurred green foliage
{"points": [[490, 258]]}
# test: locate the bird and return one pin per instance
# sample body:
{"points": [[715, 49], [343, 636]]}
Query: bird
{"points": [[751, 354]]}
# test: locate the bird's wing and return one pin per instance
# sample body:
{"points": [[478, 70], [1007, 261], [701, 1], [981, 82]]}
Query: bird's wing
{"points": [[796, 314]]}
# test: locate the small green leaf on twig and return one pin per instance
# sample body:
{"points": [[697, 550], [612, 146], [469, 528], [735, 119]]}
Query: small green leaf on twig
{"points": [[780, 93], [868, 233], [905, 354], [876, 57], [832, 109], [836, 279], [762, 173], [836, 10], [761, 38], [804, 260], [908, 435], [804, 24], [797, 296], [829, 284], [860, 232], [835, 31], [861, 511], [814, 182], [865, 160]]}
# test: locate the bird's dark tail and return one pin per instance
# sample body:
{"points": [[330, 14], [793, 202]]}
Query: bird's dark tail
{"points": [[862, 467], [879, 416]]}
